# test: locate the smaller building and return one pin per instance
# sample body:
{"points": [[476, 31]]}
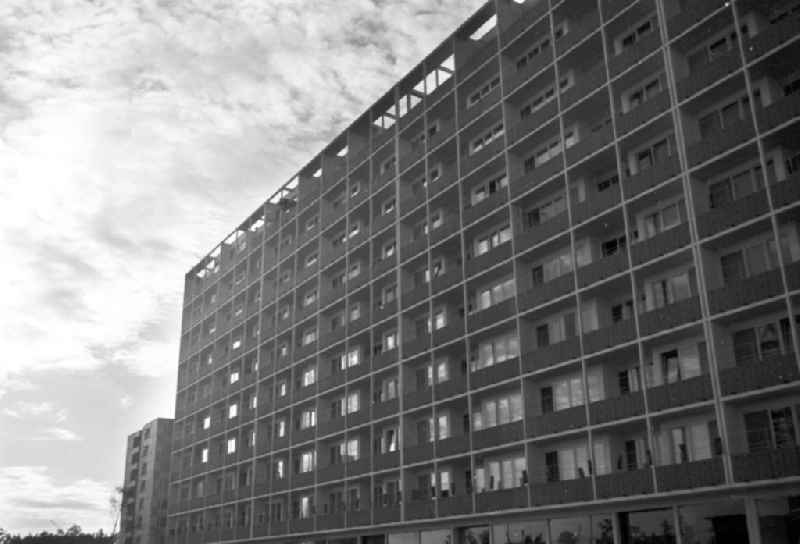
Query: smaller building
{"points": [[144, 495]]}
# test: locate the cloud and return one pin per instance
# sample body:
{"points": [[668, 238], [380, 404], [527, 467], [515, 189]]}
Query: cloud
{"points": [[55, 433], [30, 498], [37, 410], [126, 401]]}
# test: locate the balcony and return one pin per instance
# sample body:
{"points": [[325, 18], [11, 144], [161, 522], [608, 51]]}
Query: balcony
{"points": [[418, 398], [384, 461], [642, 114], [759, 374], [331, 472], [382, 221], [786, 192], [737, 212], [590, 144], [504, 499], [327, 522], [658, 173], [533, 178], [746, 291], [533, 236], [356, 419], [387, 514], [541, 294], [774, 36], [670, 395], [578, 31], [445, 231], [414, 248], [385, 311], [303, 479], [455, 445], [305, 525], [496, 436], [482, 54], [448, 333], [455, 505], [661, 244], [692, 13], [486, 103], [494, 256], [595, 204], [690, 475], [495, 373], [625, 483], [359, 517], [415, 346], [358, 467], [602, 269], [793, 275], [418, 454], [635, 53], [385, 409], [384, 359], [620, 332], [532, 122], [411, 202], [779, 113], [412, 155], [526, 19], [303, 435], [585, 84], [491, 315], [421, 508], [709, 73], [556, 422], [766, 465], [450, 388], [484, 207], [670, 316], [623, 407], [474, 160], [720, 141], [553, 354], [382, 266], [563, 492]]}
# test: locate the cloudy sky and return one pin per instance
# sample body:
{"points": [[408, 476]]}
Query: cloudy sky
{"points": [[134, 135]]}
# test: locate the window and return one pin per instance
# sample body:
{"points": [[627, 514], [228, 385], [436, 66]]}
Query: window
{"points": [[280, 427], [231, 445], [691, 442], [492, 240], [751, 260], [655, 153], [763, 341], [354, 270], [204, 455], [541, 98], [500, 473], [497, 411], [353, 403], [311, 260], [542, 155], [439, 320], [483, 91], [284, 313], [641, 93], [388, 164], [486, 138], [308, 418], [388, 249], [770, 429], [310, 298], [388, 389], [443, 426], [307, 461], [494, 351], [668, 290], [674, 365], [283, 388], [567, 463], [662, 219], [487, 189], [387, 441], [207, 422], [388, 295], [354, 313], [546, 210], [495, 294], [309, 337], [234, 377], [635, 35], [732, 187], [533, 52], [253, 401], [311, 224], [280, 469], [388, 207], [389, 341], [349, 449], [556, 329], [233, 411], [283, 350], [724, 117], [351, 358], [555, 267], [309, 377]]}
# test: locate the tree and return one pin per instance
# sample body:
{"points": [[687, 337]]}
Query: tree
{"points": [[115, 508]]}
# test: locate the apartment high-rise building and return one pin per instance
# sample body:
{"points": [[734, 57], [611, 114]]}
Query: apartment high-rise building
{"points": [[545, 290], [145, 491]]}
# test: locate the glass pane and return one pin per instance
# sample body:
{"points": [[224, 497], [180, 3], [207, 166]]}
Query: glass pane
{"points": [[648, 527], [570, 530], [713, 523], [778, 520]]}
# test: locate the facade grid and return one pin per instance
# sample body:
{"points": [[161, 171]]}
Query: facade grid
{"points": [[546, 285]]}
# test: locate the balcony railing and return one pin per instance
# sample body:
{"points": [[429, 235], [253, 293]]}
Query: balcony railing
{"points": [[562, 492], [553, 354], [558, 421], [532, 122], [625, 483], [532, 236], [709, 73], [486, 103], [622, 407], [779, 113], [670, 395], [484, 207], [766, 465], [455, 445], [618, 333], [746, 291], [578, 30], [422, 508], [495, 436], [691, 474], [670, 316], [546, 292], [481, 54], [455, 505], [786, 192], [418, 453], [472, 161], [595, 204], [543, 172], [526, 19], [661, 244], [643, 113], [633, 54], [602, 269], [492, 257], [504, 499], [453, 386], [585, 84], [719, 141], [590, 144], [491, 315], [658, 173], [759, 374], [495, 373]]}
